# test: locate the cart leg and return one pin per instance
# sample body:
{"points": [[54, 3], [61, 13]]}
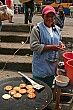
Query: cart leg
{"points": [[54, 92], [58, 98]]}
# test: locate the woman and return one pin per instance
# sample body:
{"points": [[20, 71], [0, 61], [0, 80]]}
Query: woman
{"points": [[29, 9], [45, 44], [71, 10], [10, 5], [60, 17]]}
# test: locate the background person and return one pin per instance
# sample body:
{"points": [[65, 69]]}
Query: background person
{"points": [[3, 1], [10, 5], [60, 17], [0, 20], [45, 44], [29, 9], [0, 25], [71, 11]]}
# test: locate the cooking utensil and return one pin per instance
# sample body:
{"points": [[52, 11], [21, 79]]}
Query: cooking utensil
{"points": [[42, 99], [34, 84]]}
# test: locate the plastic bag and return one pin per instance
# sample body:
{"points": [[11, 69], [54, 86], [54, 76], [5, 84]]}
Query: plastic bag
{"points": [[10, 12], [4, 16], [3, 8], [3, 13]]}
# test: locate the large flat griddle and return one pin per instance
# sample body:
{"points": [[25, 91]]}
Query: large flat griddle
{"points": [[43, 97]]}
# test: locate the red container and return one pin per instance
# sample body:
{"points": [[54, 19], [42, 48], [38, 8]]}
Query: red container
{"points": [[69, 70], [67, 56]]}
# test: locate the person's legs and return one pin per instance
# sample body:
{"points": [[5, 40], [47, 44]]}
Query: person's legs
{"points": [[26, 14], [72, 14], [0, 25], [26, 17], [49, 80], [10, 19], [31, 15]]}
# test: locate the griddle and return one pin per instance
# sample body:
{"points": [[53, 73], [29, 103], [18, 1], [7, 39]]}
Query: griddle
{"points": [[43, 97]]}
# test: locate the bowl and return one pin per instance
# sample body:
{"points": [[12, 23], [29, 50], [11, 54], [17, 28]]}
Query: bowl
{"points": [[62, 80]]}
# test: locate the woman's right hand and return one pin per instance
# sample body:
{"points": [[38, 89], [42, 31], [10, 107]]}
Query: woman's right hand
{"points": [[52, 47]]}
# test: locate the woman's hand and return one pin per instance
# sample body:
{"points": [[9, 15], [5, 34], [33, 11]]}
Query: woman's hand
{"points": [[56, 47], [62, 46], [53, 47]]}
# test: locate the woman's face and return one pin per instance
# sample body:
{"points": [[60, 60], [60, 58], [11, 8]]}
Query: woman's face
{"points": [[49, 19], [60, 8]]}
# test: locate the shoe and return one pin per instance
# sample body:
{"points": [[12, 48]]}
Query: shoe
{"points": [[30, 21], [26, 21], [11, 22]]}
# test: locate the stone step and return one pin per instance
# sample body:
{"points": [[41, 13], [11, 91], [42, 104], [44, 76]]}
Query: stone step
{"points": [[16, 62], [14, 37], [16, 27], [9, 74], [18, 48]]}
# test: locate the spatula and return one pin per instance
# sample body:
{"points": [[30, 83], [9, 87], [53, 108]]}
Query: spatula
{"points": [[34, 84]]}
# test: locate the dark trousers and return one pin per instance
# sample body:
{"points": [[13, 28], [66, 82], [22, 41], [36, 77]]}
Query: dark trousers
{"points": [[29, 8], [28, 15]]}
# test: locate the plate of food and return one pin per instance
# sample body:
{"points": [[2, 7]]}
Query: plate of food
{"points": [[62, 80]]}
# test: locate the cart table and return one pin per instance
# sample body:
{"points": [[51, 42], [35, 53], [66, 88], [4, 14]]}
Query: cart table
{"points": [[58, 92]]}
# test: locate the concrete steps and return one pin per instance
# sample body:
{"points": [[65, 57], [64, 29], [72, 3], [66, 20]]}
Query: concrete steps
{"points": [[15, 53], [16, 27], [8, 48], [16, 37], [16, 62]]}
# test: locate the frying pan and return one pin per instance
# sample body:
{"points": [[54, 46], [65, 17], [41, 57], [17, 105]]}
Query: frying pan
{"points": [[43, 97]]}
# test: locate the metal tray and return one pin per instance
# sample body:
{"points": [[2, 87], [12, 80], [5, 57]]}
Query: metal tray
{"points": [[42, 99]]}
